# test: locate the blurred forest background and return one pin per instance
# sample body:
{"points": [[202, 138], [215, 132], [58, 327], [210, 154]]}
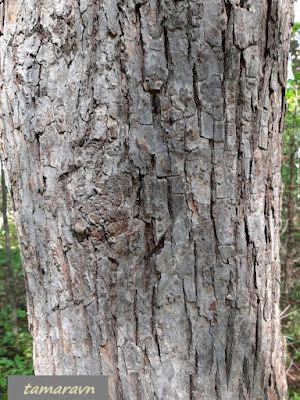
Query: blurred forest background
{"points": [[290, 230], [16, 342]]}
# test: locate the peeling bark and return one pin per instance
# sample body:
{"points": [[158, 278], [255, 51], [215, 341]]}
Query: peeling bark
{"points": [[142, 140]]}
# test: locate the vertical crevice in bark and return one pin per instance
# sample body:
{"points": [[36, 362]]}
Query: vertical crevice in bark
{"points": [[153, 323], [166, 44], [136, 327], [217, 386], [140, 39], [258, 333], [196, 97], [196, 275], [2, 16], [229, 344], [212, 200]]}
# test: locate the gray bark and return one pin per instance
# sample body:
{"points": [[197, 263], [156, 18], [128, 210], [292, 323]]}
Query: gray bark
{"points": [[142, 140]]}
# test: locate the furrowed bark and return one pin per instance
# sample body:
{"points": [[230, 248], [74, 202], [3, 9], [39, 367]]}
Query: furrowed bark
{"points": [[142, 140]]}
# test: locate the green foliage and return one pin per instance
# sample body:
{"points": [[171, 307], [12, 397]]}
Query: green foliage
{"points": [[291, 327], [296, 28], [291, 331], [294, 395], [15, 353], [291, 144], [291, 139]]}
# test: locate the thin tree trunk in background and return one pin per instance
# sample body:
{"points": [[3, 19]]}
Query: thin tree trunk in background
{"points": [[11, 279], [143, 144], [291, 215]]}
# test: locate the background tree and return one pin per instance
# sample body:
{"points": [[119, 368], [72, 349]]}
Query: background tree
{"points": [[294, 49], [143, 145], [15, 341], [11, 279], [290, 235], [291, 187]]}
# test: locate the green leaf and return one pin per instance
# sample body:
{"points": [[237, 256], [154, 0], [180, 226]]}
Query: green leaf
{"points": [[6, 362], [19, 361], [21, 313], [14, 371], [3, 382], [296, 27]]}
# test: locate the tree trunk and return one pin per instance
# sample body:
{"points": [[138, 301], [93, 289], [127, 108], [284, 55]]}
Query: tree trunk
{"points": [[142, 140], [289, 261], [11, 279]]}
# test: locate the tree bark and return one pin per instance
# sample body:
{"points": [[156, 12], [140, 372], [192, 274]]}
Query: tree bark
{"points": [[10, 271], [142, 140]]}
